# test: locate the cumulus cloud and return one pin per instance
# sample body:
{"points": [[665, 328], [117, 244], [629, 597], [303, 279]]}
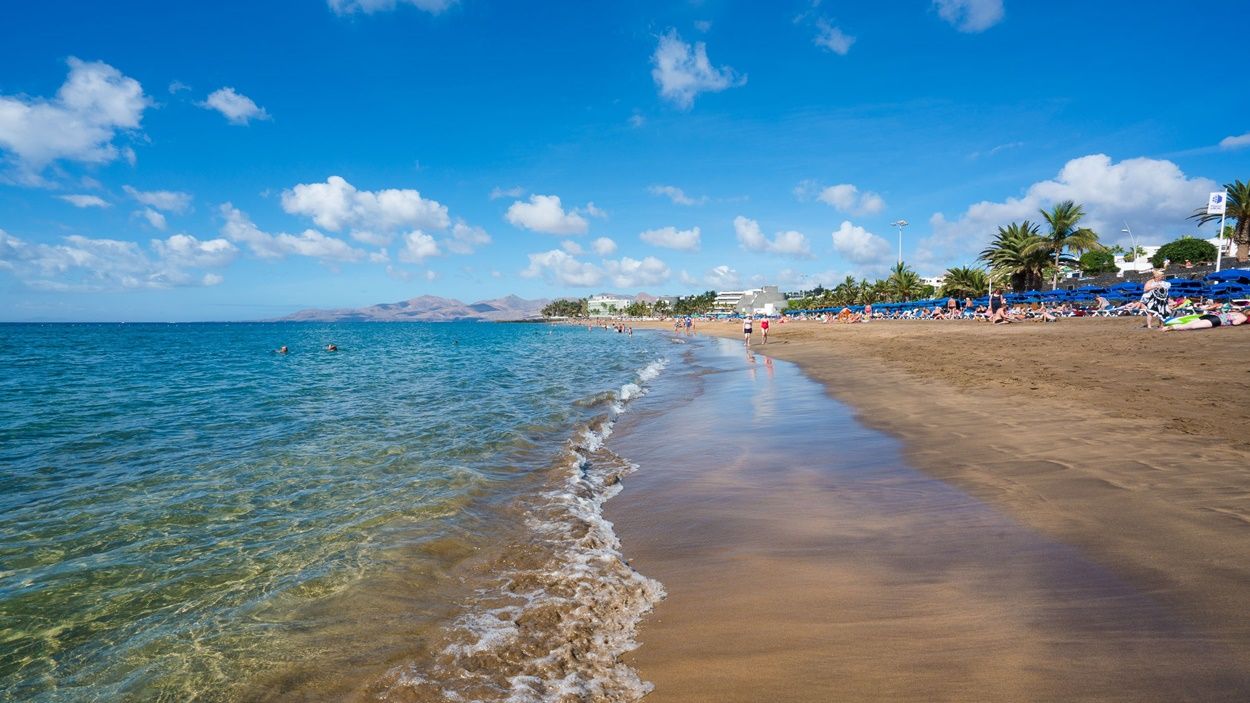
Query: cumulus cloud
{"points": [[722, 278], [153, 217], [373, 216], [466, 239], [672, 238], [683, 71], [847, 198], [859, 246], [1154, 196], [544, 213], [514, 192], [832, 38], [79, 124], [677, 195], [572, 247], [559, 267], [85, 200], [752, 238], [603, 246], [167, 200], [970, 16], [1237, 142], [368, 7], [417, 246], [85, 264], [238, 228], [237, 108]]}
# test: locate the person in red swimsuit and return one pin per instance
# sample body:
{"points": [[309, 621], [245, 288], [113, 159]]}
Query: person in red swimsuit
{"points": [[764, 329]]}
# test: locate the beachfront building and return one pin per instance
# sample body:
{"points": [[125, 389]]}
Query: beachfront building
{"points": [[768, 300], [1139, 264], [606, 305], [935, 281]]}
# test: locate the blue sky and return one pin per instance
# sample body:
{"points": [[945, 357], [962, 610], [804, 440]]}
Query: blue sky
{"points": [[245, 160]]}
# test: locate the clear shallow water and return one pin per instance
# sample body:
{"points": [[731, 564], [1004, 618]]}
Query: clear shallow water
{"points": [[184, 513]]}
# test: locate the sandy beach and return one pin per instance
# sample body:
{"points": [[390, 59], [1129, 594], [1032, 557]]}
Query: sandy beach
{"points": [[1126, 447]]}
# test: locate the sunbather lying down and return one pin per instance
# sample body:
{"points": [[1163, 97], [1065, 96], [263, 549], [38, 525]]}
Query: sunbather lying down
{"points": [[1205, 321]]}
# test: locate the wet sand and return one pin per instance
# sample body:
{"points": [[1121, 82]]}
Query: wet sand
{"points": [[1079, 529]]}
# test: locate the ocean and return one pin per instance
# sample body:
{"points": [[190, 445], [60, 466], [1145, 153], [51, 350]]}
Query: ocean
{"points": [[186, 514]]}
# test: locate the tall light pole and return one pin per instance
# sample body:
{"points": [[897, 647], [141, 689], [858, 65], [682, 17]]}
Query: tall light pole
{"points": [[1132, 239], [900, 224]]}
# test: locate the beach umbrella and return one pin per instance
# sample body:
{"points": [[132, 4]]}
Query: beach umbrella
{"points": [[1235, 275]]}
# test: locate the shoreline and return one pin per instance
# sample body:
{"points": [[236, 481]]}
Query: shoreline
{"points": [[1097, 435]]}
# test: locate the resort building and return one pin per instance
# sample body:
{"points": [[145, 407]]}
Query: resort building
{"points": [[606, 305], [768, 300], [935, 281]]}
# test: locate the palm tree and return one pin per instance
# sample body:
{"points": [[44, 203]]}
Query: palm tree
{"points": [[964, 282], [1065, 235], [1012, 255], [1238, 209], [903, 283], [846, 292]]}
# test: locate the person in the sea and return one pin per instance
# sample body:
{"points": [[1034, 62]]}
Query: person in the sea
{"points": [[332, 347], [764, 329], [1154, 299], [746, 330], [282, 349], [1205, 321]]}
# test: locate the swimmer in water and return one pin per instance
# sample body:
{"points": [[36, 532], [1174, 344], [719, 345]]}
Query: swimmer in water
{"points": [[282, 349], [331, 347]]}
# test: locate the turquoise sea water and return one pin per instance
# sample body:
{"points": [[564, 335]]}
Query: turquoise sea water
{"points": [[186, 514]]}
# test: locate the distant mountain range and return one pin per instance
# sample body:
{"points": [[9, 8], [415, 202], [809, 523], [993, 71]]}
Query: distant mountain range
{"points": [[429, 308]]}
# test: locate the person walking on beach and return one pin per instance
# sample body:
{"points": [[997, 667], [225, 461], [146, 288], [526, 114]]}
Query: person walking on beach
{"points": [[1154, 299], [746, 330], [764, 329]]}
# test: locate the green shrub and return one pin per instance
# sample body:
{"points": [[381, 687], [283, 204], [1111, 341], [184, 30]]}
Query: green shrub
{"points": [[1096, 262], [1184, 249]]}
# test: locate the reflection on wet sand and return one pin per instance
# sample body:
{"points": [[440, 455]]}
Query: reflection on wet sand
{"points": [[804, 560]]}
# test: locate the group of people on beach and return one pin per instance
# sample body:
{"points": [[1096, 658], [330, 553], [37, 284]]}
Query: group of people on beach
{"points": [[747, 323]]}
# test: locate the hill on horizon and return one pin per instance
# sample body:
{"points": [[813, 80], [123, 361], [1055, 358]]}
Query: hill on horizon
{"points": [[429, 308]]}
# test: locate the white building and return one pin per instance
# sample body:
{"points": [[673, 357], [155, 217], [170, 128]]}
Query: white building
{"points": [[935, 281], [606, 305], [768, 300]]}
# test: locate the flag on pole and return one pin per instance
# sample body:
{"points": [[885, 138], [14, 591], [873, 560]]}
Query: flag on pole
{"points": [[1216, 203]]}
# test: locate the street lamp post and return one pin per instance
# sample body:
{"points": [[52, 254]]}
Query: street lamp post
{"points": [[1132, 239], [900, 224]]}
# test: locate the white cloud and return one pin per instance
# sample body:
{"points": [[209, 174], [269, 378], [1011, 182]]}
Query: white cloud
{"points": [[682, 71], [1154, 196], [544, 213], [311, 243], [970, 15], [572, 247], [603, 246], [722, 278], [672, 238], [559, 267], [466, 239], [368, 7], [185, 251], [636, 120], [85, 200], [845, 197], [237, 108], [86, 264], [703, 25], [591, 210], [514, 192], [372, 215], [628, 273], [789, 243], [859, 246], [153, 217], [167, 200], [176, 87], [417, 247], [677, 195], [79, 124], [833, 38], [1237, 142]]}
